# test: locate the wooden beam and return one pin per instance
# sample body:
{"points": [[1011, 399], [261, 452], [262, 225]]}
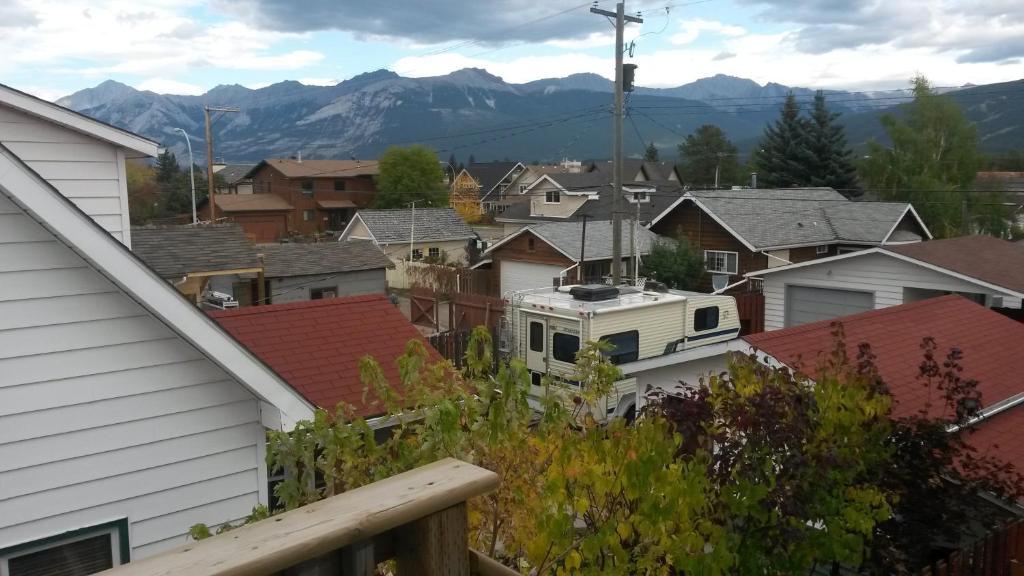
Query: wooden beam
{"points": [[225, 272], [312, 531], [436, 545]]}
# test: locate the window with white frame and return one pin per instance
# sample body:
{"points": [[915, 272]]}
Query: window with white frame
{"points": [[822, 249], [417, 254], [552, 197], [80, 552], [721, 262], [640, 196]]}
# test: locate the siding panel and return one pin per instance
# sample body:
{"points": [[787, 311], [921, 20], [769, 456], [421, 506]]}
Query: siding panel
{"points": [[65, 309], [36, 256], [47, 283], [80, 335]]}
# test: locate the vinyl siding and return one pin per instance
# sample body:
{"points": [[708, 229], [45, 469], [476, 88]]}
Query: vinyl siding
{"points": [[658, 325], [88, 171], [105, 413], [297, 288], [883, 276]]}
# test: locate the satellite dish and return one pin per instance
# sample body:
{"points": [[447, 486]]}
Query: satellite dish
{"points": [[719, 281]]}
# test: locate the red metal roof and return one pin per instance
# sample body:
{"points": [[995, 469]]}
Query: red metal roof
{"points": [[316, 346], [992, 345]]}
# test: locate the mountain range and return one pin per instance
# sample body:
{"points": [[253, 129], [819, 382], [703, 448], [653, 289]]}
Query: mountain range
{"points": [[471, 111]]}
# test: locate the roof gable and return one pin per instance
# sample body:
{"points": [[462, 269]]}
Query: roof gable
{"points": [[565, 237], [114, 261], [142, 147], [317, 345], [396, 225], [490, 174]]}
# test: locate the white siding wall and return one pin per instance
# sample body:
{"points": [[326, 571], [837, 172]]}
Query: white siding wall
{"points": [[88, 171], [105, 413], [882, 275]]}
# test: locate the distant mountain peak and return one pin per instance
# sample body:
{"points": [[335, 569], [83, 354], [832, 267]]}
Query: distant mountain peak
{"points": [[475, 75]]}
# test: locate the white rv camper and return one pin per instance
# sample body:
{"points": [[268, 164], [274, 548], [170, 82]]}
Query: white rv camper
{"points": [[546, 327]]}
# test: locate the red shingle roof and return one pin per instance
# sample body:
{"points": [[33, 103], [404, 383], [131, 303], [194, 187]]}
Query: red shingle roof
{"points": [[316, 346], [993, 348]]}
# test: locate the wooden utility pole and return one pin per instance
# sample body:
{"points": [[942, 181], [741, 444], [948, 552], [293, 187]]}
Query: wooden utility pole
{"points": [[210, 188], [620, 24], [583, 249]]}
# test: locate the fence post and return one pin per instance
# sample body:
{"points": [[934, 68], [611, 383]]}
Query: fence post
{"points": [[437, 545]]}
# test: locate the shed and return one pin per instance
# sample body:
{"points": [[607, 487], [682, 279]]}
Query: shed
{"points": [[297, 271]]}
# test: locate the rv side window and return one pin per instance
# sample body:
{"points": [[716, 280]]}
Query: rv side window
{"points": [[705, 318], [625, 346], [536, 336], [564, 347]]}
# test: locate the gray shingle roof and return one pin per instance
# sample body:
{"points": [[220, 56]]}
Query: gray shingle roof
{"points": [[432, 224], [174, 251], [768, 218], [488, 174], [232, 173], [601, 207], [283, 260], [566, 237]]}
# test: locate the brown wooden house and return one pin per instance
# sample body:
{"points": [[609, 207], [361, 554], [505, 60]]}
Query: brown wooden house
{"points": [[323, 194], [740, 231]]}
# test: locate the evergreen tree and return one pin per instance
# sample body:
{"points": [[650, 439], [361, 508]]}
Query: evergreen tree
{"points": [[167, 168], [471, 161], [832, 165], [783, 157], [704, 152], [651, 153]]}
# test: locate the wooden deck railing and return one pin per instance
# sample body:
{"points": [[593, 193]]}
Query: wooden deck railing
{"points": [[417, 518]]}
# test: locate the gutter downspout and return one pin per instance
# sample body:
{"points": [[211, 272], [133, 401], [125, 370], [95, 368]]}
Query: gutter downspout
{"points": [[783, 260], [730, 286], [985, 414]]}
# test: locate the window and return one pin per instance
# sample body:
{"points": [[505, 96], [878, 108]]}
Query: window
{"points": [[530, 244], [536, 336], [522, 188], [564, 347], [552, 197], [639, 196], [86, 551], [819, 250], [339, 185], [307, 187], [705, 318], [433, 253], [321, 293], [721, 262], [625, 346], [417, 254], [308, 215]]}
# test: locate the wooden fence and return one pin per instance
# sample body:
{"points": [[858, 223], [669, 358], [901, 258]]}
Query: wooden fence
{"points": [[453, 344], [417, 518], [998, 554], [750, 307]]}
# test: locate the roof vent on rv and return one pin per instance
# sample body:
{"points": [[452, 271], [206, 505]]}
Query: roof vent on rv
{"points": [[594, 292], [655, 286]]}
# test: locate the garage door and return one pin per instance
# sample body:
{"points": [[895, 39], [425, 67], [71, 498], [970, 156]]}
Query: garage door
{"points": [[526, 275], [804, 304]]}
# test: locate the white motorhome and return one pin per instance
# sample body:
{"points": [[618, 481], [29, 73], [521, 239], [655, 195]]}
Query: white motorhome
{"points": [[546, 327]]}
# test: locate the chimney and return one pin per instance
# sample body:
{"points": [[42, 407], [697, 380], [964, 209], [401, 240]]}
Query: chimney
{"points": [[298, 157], [753, 180]]}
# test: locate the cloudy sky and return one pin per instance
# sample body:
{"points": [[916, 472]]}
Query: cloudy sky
{"points": [[54, 47]]}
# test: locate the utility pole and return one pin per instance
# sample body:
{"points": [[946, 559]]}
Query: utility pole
{"points": [[210, 188], [620, 25]]}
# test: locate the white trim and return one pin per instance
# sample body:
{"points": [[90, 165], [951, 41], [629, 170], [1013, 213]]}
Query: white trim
{"points": [[909, 208], [500, 180], [727, 272], [874, 250], [122, 192], [77, 122], [112, 259], [344, 233]]}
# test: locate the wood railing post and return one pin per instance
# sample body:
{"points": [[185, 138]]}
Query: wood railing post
{"points": [[327, 565], [437, 545], [358, 559]]}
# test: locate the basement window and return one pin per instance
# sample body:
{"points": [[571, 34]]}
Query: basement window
{"points": [[85, 551]]}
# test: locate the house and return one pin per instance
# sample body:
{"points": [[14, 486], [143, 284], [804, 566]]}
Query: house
{"points": [[515, 191], [493, 179], [82, 157], [323, 194], [296, 272], [984, 269], [990, 343], [639, 170], [264, 217], [126, 415], [317, 346], [233, 178], [200, 259], [740, 231], [549, 254], [434, 234]]}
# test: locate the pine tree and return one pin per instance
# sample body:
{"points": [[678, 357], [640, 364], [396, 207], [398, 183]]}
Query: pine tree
{"points": [[651, 153], [832, 165], [783, 156], [166, 167], [705, 152], [471, 161]]}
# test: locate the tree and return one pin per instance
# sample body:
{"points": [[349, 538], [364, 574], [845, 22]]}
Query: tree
{"points": [[410, 174], [675, 263], [167, 168], [143, 191], [471, 160], [704, 152], [651, 153], [832, 165], [783, 155], [932, 163]]}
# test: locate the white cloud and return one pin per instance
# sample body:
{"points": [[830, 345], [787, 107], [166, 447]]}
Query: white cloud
{"points": [[690, 30], [166, 86], [319, 81]]}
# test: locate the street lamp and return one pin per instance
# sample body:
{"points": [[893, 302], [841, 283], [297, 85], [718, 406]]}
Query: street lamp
{"points": [[191, 174]]}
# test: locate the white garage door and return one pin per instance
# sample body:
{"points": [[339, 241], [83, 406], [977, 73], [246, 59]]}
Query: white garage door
{"points": [[804, 304], [526, 275]]}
